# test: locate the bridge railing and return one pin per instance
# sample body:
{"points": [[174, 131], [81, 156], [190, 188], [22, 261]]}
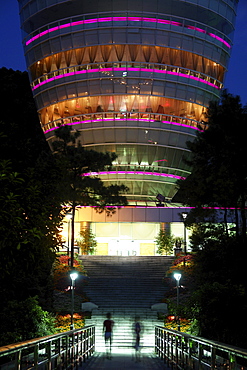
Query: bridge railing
{"points": [[60, 351], [183, 351]]}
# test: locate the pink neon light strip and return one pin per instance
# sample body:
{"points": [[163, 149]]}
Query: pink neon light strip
{"points": [[122, 19], [126, 70], [173, 207], [124, 120], [132, 173]]}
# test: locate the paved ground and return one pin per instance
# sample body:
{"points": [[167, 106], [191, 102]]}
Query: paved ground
{"points": [[125, 360]]}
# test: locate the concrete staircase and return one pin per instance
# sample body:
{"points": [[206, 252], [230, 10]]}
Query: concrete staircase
{"points": [[126, 287]]}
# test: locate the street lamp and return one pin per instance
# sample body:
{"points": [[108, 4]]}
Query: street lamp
{"points": [[177, 277], [73, 277], [68, 217], [184, 215]]}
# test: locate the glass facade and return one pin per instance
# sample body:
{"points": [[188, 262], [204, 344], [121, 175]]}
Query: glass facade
{"points": [[134, 77]]}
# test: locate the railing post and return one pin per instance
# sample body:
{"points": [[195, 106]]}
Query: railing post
{"points": [[48, 351], [36, 356], [18, 360], [232, 361], [213, 357], [200, 353]]}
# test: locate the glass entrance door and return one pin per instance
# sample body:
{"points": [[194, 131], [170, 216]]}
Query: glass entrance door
{"points": [[123, 248]]}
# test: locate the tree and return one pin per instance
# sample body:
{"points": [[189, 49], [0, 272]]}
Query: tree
{"points": [[87, 242], [218, 169], [218, 299], [218, 180], [30, 204], [165, 242], [80, 186]]}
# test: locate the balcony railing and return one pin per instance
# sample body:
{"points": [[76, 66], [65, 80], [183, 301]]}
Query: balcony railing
{"points": [[183, 351], [60, 351], [114, 118]]}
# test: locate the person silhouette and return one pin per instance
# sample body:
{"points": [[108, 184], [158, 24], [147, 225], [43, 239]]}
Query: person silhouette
{"points": [[137, 331], [107, 329]]}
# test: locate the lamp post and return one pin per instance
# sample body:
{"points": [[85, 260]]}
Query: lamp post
{"points": [[68, 217], [177, 277], [73, 277], [184, 215]]}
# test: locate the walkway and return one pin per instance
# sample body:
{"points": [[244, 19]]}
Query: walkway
{"points": [[123, 360]]}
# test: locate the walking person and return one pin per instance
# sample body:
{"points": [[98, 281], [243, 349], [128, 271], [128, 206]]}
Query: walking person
{"points": [[137, 330], [107, 329]]}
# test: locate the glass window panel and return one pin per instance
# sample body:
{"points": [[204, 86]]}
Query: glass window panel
{"points": [[134, 37], [119, 88], [175, 41], [105, 37], [170, 89], [45, 98], [121, 136], [119, 36], [78, 39], [61, 93], [198, 46], [33, 7], [144, 231], [56, 45], [71, 91], [148, 37], [66, 42], [94, 87], [146, 88], [181, 92], [46, 49], [91, 38], [162, 38]]}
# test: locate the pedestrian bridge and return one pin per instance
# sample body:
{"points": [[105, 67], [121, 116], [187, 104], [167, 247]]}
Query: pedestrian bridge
{"points": [[75, 349]]}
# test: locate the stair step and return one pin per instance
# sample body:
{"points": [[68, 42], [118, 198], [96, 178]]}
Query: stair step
{"points": [[127, 287]]}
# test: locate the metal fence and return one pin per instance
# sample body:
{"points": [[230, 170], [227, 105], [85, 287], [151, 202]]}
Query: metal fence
{"points": [[60, 351], [183, 351]]}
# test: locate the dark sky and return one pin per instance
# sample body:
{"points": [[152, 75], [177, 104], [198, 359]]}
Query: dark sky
{"points": [[11, 52]]}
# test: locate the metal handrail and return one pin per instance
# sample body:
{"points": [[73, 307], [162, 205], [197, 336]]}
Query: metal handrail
{"points": [[60, 351], [183, 351]]}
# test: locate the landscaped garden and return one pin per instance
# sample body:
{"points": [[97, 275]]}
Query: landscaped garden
{"points": [[62, 294], [182, 264]]}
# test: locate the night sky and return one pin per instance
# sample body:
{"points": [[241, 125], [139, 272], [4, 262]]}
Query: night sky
{"points": [[11, 52]]}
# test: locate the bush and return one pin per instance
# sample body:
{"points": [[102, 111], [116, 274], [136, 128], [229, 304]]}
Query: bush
{"points": [[63, 322], [24, 320]]}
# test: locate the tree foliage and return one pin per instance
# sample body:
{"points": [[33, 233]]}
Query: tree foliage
{"points": [[218, 300], [30, 204], [165, 242], [218, 180], [80, 186], [87, 242], [23, 320], [219, 171]]}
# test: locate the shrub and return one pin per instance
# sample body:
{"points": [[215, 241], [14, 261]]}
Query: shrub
{"points": [[23, 320], [62, 322]]}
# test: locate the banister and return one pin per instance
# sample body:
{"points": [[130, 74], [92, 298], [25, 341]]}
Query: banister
{"points": [[183, 351], [51, 352]]}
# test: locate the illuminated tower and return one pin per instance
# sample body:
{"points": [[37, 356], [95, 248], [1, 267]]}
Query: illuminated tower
{"points": [[134, 77]]}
